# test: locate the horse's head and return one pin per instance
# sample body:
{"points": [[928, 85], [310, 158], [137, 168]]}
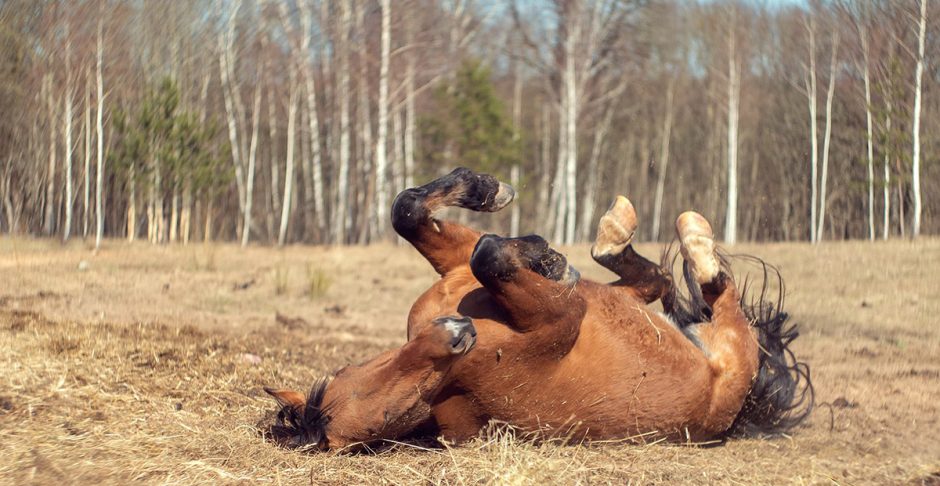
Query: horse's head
{"points": [[385, 397]]}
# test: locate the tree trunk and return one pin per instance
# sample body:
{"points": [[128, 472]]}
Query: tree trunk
{"points": [[827, 137], [99, 189], [49, 218], [341, 206], [868, 135], [545, 172], [306, 18], [381, 156], [132, 203], [367, 195], [734, 91], [886, 224], [229, 95], [571, 119], [663, 159], [814, 139], [275, 169], [86, 199], [66, 231], [252, 156], [289, 162], [915, 159]]}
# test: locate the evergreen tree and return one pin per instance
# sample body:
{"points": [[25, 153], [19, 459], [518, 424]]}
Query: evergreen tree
{"points": [[470, 126]]}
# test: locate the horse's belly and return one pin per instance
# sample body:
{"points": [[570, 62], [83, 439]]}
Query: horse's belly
{"points": [[617, 381]]}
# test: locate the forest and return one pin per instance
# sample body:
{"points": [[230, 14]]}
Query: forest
{"points": [[298, 121]]}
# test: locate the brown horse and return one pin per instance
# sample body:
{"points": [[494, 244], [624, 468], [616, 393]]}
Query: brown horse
{"points": [[512, 333]]}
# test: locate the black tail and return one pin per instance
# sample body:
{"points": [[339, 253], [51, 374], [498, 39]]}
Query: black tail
{"points": [[782, 395]]}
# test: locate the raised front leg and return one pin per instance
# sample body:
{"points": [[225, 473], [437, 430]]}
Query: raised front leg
{"points": [[444, 244], [613, 249], [534, 285]]}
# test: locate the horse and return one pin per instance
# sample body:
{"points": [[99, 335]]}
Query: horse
{"points": [[512, 333]]}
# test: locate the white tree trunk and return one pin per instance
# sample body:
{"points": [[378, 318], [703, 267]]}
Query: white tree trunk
{"points": [[86, 199], [66, 231], [313, 117], [886, 223], [131, 219], [663, 159], [869, 135], [918, 76], [289, 169], [515, 215], [545, 176], [229, 92], [49, 219], [827, 137], [367, 195], [341, 207], [381, 155], [734, 91], [410, 121], [571, 119], [99, 125], [814, 138], [273, 157], [252, 157]]}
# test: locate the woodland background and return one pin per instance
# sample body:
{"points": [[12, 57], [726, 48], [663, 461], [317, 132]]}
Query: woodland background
{"points": [[297, 121]]}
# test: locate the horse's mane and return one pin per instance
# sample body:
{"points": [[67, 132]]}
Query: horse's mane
{"points": [[306, 427], [782, 395]]}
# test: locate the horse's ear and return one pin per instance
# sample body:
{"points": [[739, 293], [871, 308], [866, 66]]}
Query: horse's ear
{"points": [[287, 398]]}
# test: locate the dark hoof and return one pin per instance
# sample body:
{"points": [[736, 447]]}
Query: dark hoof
{"points": [[480, 192], [462, 335], [500, 258]]}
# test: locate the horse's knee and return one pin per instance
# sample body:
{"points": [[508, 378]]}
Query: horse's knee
{"points": [[409, 211]]}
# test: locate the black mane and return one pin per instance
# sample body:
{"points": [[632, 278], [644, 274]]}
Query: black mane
{"points": [[307, 427], [782, 395]]}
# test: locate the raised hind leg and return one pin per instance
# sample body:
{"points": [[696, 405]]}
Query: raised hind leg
{"points": [[447, 245], [728, 341], [613, 249]]}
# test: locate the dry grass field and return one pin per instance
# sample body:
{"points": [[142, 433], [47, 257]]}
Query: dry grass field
{"points": [[146, 364]]}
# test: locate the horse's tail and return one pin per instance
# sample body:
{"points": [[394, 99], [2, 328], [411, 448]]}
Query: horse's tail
{"points": [[782, 395]]}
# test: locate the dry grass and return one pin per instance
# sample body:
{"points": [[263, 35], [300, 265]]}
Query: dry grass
{"points": [[140, 364]]}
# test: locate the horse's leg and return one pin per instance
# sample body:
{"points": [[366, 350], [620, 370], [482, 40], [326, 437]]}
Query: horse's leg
{"points": [[728, 341], [447, 245], [532, 282], [613, 249]]}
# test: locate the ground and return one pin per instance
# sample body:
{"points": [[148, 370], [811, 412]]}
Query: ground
{"points": [[146, 364]]}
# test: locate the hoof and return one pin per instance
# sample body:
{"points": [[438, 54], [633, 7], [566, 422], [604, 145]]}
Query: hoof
{"points": [[462, 336], [504, 196], [500, 258], [697, 244], [616, 228]]}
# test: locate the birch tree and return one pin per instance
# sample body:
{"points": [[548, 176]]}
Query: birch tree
{"points": [[915, 126], [811, 96], [289, 161], [304, 58], [99, 132], [342, 179], [381, 155], [734, 93], [828, 135], [68, 101]]}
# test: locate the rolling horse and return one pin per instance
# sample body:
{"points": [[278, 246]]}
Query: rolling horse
{"points": [[512, 333]]}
